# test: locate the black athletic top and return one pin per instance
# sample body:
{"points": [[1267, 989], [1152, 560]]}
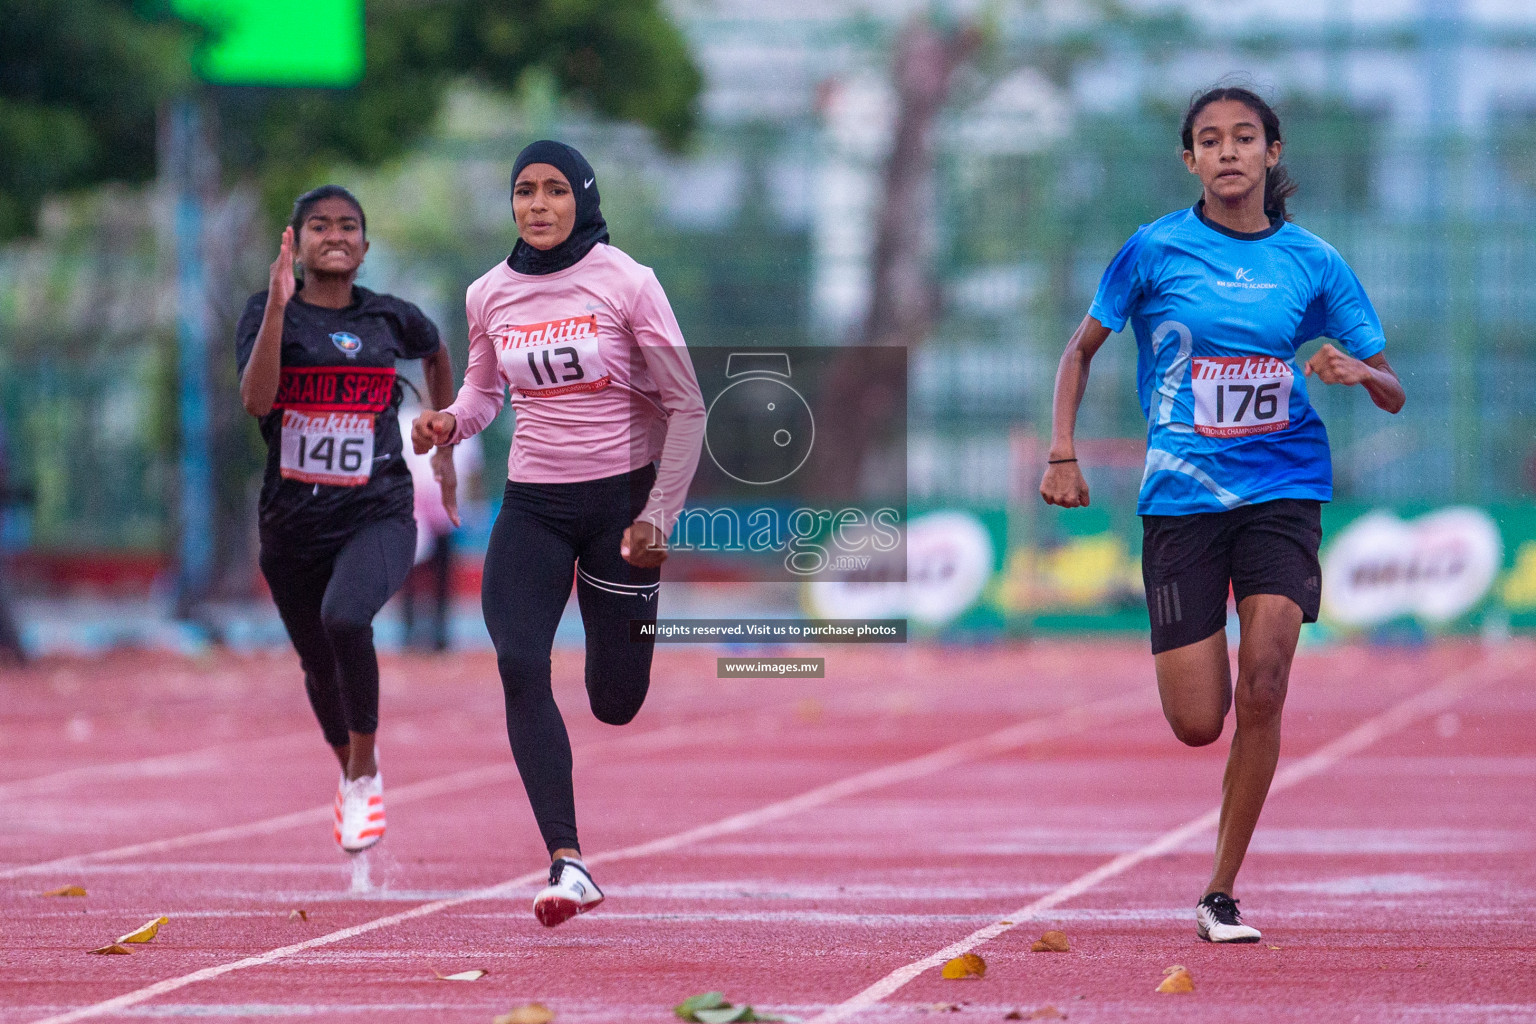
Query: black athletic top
{"points": [[334, 450]]}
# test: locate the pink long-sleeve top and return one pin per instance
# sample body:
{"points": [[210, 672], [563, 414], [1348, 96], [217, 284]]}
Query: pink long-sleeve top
{"points": [[599, 374]]}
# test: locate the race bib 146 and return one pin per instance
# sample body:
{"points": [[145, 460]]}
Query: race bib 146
{"points": [[557, 357], [333, 448], [1240, 395]]}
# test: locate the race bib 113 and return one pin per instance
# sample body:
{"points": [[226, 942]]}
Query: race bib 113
{"points": [[557, 357], [1240, 395], [333, 448]]}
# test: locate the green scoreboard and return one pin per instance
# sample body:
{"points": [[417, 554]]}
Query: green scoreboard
{"points": [[279, 42]]}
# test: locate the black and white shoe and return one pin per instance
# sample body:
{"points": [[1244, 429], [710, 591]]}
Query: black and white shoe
{"points": [[571, 891], [1217, 920]]}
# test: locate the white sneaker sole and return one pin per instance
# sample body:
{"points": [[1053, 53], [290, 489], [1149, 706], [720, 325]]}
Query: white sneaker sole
{"points": [[556, 909], [1228, 934]]}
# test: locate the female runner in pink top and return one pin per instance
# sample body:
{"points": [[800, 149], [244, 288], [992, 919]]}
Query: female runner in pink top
{"points": [[609, 426]]}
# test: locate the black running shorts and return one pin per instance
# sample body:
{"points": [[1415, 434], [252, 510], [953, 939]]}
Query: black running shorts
{"points": [[1188, 562]]}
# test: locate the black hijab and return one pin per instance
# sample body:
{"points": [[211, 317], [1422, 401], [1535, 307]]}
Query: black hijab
{"points": [[589, 228]]}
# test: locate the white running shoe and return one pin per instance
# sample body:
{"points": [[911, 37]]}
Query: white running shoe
{"points": [[360, 812], [1217, 920], [571, 891]]}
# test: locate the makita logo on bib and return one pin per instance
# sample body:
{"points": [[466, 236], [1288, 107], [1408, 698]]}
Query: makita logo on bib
{"points": [[1243, 278], [551, 332], [1240, 368]]}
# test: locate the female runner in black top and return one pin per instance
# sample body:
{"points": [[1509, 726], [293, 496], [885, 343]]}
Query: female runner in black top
{"points": [[317, 368]]}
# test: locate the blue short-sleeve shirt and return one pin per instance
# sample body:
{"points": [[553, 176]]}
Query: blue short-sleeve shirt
{"points": [[1218, 317]]}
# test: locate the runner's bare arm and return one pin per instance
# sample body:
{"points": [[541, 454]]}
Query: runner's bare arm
{"points": [[438, 368], [1063, 482], [258, 384], [1381, 382]]}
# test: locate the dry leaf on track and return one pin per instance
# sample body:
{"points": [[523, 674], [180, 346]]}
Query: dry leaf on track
{"points": [[114, 948], [1051, 942], [1178, 980], [1039, 1013], [942, 1008], [967, 965], [528, 1013], [302, 915], [146, 931], [66, 890], [474, 974]]}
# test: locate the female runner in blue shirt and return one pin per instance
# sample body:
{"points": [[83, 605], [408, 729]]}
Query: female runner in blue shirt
{"points": [[1220, 297]]}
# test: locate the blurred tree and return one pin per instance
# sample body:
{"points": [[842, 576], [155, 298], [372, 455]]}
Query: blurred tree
{"points": [[80, 81], [903, 280], [626, 61]]}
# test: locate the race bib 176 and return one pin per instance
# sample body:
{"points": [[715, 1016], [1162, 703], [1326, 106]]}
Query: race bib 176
{"points": [[1240, 395], [557, 357], [333, 448]]}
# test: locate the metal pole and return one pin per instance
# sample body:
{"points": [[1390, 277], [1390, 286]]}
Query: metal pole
{"points": [[194, 564]]}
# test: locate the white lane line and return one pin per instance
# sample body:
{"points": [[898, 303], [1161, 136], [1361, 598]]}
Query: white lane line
{"points": [[1428, 702], [161, 766], [470, 778], [1000, 742], [721, 727]]}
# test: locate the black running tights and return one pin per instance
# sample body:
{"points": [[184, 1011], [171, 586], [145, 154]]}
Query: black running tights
{"points": [[328, 603], [543, 534]]}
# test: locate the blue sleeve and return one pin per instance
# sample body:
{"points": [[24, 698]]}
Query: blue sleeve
{"points": [[1120, 289], [1344, 312]]}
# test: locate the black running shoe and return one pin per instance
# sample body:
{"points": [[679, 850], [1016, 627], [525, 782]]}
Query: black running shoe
{"points": [[1217, 920]]}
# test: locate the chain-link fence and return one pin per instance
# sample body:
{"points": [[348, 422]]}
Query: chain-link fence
{"points": [[739, 236]]}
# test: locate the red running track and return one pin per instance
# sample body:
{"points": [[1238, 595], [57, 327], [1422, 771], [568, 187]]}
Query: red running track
{"points": [[813, 847]]}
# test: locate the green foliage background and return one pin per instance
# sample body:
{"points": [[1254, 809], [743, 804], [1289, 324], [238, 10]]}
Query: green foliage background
{"points": [[87, 342], [81, 82]]}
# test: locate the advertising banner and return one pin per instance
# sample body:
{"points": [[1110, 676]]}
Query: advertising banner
{"points": [[981, 570]]}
